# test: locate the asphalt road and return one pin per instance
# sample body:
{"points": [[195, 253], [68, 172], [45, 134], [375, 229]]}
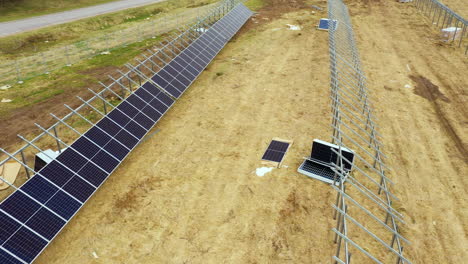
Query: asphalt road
{"points": [[27, 24]]}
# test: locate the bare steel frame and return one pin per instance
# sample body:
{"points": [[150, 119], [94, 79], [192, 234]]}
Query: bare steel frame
{"points": [[364, 212]]}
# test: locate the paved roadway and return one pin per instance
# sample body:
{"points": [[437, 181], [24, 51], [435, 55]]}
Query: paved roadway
{"points": [[17, 26]]}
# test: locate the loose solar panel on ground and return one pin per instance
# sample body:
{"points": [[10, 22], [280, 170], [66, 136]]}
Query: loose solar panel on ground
{"points": [[327, 24], [276, 151], [33, 215]]}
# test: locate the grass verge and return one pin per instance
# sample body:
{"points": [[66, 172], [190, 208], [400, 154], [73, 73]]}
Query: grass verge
{"points": [[29, 8], [29, 43]]}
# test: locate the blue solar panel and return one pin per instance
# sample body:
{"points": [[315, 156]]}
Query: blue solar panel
{"points": [[178, 64], [135, 101], [63, 204], [56, 173], [105, 161], [79, 189], [72, 158], [6, 258], [117, 149], [158, 105], [150, 111], [144, 120], [127, 109], [178, 85], [106, 124], [45, 223], [39, 188], [20, 206], [25, 244], [7, 227], [85, 147], [119, 117], [98, 136], [323, 24], [127, 139], [144, 94], [94, 174]]}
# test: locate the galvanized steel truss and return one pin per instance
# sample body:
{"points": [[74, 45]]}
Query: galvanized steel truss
{"points": [[443, 17], [366, 220]]}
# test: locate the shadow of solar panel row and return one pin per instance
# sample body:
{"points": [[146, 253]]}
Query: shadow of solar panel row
{"points": [[34, 214], [182, 71]]}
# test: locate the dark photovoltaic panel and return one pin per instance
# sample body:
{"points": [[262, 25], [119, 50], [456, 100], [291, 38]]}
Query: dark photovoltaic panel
{"points": [[179, 74], [33, 215], [276, 151], [324, 153]]}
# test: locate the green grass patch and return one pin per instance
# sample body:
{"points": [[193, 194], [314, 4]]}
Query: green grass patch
{"points": [[78, 77], [255, 4], [29, 43], [19, 9]]}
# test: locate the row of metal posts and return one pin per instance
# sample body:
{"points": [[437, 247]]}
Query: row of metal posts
{"points": [[22, 75], [212, 15], [346, 76], [443, 17]]}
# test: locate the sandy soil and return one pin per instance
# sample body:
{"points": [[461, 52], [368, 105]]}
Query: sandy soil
{"points": [[425, 126], [189, 194], [459, 7]]}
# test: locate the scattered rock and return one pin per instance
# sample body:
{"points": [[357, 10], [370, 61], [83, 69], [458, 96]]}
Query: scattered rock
{"points": [[293, 27], [262, 171], [5, 87]]}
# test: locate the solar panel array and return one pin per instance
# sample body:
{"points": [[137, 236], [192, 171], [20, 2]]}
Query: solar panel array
{"points": [[179, 74], [34, 214]]}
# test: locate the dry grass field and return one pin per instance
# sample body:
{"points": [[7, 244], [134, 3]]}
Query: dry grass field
{"points": [[189, 194]]}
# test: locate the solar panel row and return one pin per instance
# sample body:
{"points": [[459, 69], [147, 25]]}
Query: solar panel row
{"points": [[179, 74], [33, 215]]}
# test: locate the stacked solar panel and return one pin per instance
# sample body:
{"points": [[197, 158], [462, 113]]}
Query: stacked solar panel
{"points": [[34, 214]]}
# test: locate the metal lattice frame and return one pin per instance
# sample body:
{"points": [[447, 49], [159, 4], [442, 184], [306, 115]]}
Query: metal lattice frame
{"points": [[441, 16], [117, 87], [366, 219]]}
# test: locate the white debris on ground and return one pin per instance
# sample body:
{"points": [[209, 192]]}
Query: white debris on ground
{"points": [[263, 170], [407, 86], [201, 30], [293, 27], [95, 255], [105, 53], [6, 100], [5, 87]]}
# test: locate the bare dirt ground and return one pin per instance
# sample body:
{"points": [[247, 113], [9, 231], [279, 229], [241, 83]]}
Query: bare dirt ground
{"points": [[189, 194], [459, 7]]}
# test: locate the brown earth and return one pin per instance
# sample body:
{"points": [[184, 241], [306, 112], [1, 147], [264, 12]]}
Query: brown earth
{"points": [[190, 194]]}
